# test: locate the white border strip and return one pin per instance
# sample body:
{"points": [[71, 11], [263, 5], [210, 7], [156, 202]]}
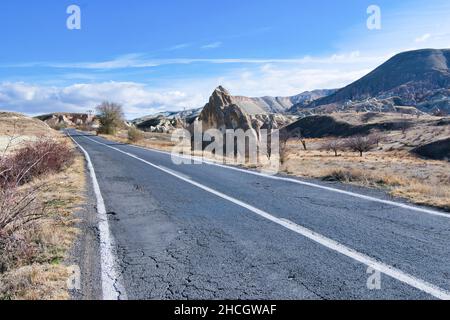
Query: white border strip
{"points": [[304, 183], [111, 287], [316, 237]]}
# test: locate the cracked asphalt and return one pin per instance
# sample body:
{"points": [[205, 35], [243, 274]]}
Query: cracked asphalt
{"points": [[176, 241]]}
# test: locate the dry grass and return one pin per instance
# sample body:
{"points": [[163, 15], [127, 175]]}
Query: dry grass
{"points": [[160, 141], [21, 127], [421, 181], [44, 276], [35, 282]]}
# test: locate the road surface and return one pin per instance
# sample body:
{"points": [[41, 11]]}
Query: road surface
{"points": [[210, 232]]}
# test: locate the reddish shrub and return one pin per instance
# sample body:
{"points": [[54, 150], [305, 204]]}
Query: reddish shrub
{"points": [[33, 160]]}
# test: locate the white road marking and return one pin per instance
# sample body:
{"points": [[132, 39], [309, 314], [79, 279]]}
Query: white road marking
{"points": [[111, 287], [388, 270], [304, 183], [175, 172]]}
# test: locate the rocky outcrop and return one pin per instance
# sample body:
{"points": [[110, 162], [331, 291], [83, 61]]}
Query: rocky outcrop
{"points": [[223, 111], [69, 120], [166, 122]]}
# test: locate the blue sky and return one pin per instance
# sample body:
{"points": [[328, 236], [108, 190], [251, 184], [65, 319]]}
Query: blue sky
{"points": [[153, 55]]}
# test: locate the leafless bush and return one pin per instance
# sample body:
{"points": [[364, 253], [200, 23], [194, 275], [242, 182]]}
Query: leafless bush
{"points": [[19, 211], [135, 135], [360, 144], [377, 137], [110, 116], [333, 145], [33, 160]]}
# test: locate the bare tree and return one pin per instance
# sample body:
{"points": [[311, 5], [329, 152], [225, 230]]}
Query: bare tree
{"points": [[377, 137], [110, 116], [297, 134], [332, 145], [360, 144]]}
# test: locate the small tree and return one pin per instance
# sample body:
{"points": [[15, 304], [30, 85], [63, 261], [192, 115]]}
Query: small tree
{"points": [[110, 116], [360, 144], [332, 145]]}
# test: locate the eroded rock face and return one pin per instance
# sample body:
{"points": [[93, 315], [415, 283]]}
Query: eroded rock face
{"points": [[223, 112]]}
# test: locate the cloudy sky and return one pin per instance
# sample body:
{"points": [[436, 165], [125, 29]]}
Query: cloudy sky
{"points": [[152, 55]]}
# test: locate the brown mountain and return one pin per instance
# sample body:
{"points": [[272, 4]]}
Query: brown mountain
{"points": [[418, 78]]}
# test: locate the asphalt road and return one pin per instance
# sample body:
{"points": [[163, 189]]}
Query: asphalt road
{"points": [[209, 232]]}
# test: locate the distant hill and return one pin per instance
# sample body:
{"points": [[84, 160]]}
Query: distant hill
{"points": [[279, 104], [418, 79]]}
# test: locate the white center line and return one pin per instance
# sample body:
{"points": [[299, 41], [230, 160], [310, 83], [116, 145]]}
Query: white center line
{"points": [[388, 270]]}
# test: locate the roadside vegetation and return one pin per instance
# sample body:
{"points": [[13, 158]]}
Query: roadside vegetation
{"points": [[41, 183], [111, 118]]}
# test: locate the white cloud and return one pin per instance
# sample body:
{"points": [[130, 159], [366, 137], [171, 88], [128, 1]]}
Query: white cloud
{"points": [[134, 60], [423, 38], [179, 46], [213, 45], [136, 98], [250, 77]]}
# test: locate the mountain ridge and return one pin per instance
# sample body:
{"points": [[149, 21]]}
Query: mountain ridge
{"points": [[417, 78]]}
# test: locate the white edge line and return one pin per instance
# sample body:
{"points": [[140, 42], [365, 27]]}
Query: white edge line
{"points": [[304, 183], [111, 287], [316, 237]]}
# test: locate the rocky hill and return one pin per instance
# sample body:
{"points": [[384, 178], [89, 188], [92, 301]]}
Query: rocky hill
{"points": [[165, 122], [419, 79], [16, 128], [279, 104]]}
